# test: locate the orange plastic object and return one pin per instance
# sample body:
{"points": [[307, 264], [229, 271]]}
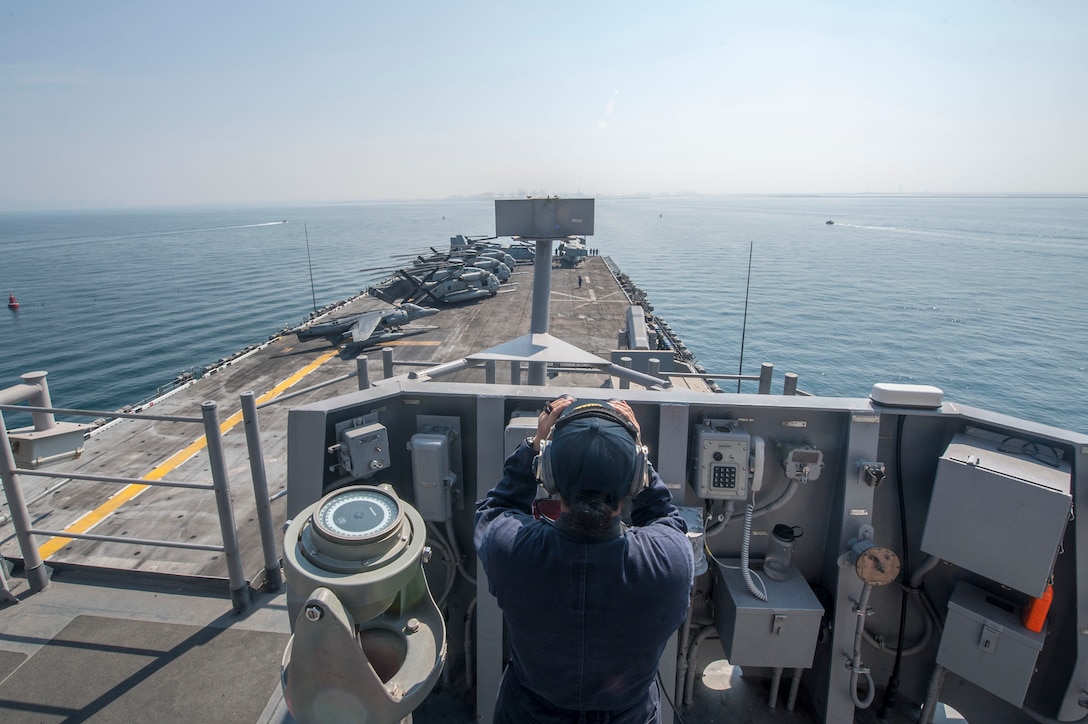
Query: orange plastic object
{"points": [[1037, 609]]}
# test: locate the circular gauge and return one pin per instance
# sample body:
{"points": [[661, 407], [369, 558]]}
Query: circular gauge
{"points": [[357, 514]]}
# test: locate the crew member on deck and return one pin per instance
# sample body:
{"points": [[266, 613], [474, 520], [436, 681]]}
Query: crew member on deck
{"points": [[589, 602]]}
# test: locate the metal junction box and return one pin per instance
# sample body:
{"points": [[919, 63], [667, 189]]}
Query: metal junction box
{"points": [[364, 450], [1015, 506], [985, 643], [34, 448], [432, 476], [520, 427], [780, 631]]}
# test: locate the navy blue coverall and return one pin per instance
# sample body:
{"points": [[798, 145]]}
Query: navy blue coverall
{"points": [[587, 616]]}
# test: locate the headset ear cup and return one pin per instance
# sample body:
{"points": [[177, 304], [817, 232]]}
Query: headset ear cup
{"points": [[543, 468], [641, 479]]}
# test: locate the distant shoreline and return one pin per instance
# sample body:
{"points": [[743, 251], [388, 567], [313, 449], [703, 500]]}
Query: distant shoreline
{"points": [[265, 205]]}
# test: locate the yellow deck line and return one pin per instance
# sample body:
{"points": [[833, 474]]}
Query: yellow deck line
{"points": [[92, 518]]}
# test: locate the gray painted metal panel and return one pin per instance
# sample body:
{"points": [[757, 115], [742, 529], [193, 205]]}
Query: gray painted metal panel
{"points": [[490, 423], [1073, 696], [853, 508], [637, 336], [984, 642], [780, 631], [672, 448], [546, 218], [1016, 509]]}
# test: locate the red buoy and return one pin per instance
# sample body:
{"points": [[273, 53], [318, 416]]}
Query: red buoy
{"points": [[12, 303]]}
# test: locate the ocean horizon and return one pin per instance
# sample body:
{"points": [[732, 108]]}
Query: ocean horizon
{"points": [[976, 294]]}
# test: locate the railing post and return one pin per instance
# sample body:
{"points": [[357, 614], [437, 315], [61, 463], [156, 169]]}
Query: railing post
{"points": [[515, 372], [387, 362], [37, 574], [42, 420], [364, 371], [272, 576], [542, 286], [653, 367], [766, 371], [789, 384], [538, 373], [625, 384], [239, 589], [489, 371], [5, 586]]}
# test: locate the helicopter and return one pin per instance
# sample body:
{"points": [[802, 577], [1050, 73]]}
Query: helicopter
{"points": [[494, 260], [449, 285], [572, 251]]}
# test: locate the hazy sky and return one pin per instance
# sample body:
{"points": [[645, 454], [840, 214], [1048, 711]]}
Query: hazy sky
{"points": [[146, 103]]}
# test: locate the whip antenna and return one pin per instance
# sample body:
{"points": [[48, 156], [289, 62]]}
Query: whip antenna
{"points": [[744, 324], [313, 295]]}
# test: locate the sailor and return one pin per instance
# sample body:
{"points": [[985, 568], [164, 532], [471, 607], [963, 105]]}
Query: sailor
{"points": [[589, 602]]}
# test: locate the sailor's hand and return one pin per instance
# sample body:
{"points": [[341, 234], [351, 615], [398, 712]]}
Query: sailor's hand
{"points": [[547, 419], [624, 409]]}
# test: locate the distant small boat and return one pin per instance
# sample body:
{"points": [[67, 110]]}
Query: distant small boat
{"points": [[13, 304], [829, 222]]}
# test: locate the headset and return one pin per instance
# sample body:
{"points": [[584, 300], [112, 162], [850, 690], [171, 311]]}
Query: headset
{"points": [[542, 464]]}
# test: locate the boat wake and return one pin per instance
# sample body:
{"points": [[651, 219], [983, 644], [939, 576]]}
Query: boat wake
{"points": [[1059, 235], [153, 234]]}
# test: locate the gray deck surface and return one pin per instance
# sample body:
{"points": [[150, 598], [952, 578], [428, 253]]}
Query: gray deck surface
{"points": [[128, 668], [128, 651]]}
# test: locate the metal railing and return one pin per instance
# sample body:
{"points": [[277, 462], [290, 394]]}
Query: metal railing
{"points": [[653, 378], [37, 573]]}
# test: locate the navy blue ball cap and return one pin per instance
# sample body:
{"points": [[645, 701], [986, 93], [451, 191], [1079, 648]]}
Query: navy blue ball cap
{"points": [[592, 448]]}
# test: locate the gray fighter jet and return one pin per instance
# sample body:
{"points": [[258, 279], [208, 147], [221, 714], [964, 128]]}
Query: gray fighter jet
{"points": [[377, 326]]}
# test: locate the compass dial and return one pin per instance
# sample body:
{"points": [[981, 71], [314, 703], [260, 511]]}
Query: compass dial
{"points": [[358, 514]]}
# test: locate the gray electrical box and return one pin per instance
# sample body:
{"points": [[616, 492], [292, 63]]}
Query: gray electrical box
{"points": [[520, 427], [1015, 505], [985, 643], [34, 448], [780, 631], [364, 450], [432, 475]]}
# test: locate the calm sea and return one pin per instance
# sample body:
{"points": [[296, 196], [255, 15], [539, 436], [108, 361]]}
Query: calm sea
{"points": [[982, 297]]}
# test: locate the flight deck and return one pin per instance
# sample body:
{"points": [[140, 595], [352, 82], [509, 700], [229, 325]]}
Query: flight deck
{"points": [[588, 305]]}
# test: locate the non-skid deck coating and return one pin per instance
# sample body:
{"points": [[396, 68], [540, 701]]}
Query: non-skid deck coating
{"points": [[130, 668], [100, 650]]}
